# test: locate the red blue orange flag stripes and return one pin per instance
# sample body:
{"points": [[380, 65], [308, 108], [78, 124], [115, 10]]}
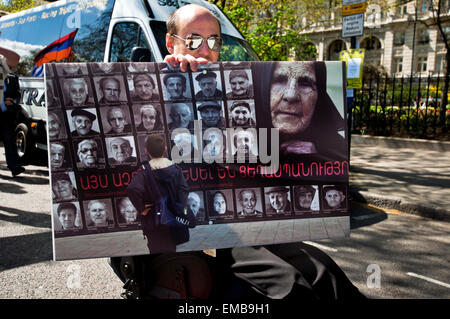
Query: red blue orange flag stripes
{"points": [[56, 51]]}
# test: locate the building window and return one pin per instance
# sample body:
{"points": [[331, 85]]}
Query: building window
{"points": [[424, 36], [421, 64], [371, 43], [399, 38], [334, 49], [402, 11], [441, 64], [427, 5], [398, 65]]}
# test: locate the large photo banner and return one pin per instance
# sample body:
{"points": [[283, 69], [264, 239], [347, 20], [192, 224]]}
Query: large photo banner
{"points": [[261, 145]]}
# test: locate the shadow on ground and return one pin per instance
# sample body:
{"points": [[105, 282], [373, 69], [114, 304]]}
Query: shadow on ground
{"points": [[18, 251]]}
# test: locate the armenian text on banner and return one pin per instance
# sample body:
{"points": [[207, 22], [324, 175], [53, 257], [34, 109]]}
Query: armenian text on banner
{"points": [[262, 146]]}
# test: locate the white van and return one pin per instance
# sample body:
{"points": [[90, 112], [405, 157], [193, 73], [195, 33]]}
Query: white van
{"points": [[109, 31]]}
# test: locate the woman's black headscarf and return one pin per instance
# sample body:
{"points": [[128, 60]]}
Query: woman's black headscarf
{"points": [[325, 123]]}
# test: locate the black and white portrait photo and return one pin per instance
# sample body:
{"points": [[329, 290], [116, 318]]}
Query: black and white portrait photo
{"points": [[220, 204], [89, 153], [306, 198], [78, 92], [64, 187], [126, 213], [211, 114], [56, 125], [121, 150], [60, 158], [334, 197], [148, 117], [196, 204], [207, 85], [180, 115], [143, 87], [278, 200], [249, 202], [67, 217], [116, 119], [238, 84], [241, 113], [214, 145], [176, 86], [244, 144], [98, 213], [110, 89], [184, 146], [83, 122]]}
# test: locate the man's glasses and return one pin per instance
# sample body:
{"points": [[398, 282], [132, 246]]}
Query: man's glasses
{"points": [[195, 41]]}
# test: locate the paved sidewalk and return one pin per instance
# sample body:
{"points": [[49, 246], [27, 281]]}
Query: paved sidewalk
{"points": [[406, 174]]}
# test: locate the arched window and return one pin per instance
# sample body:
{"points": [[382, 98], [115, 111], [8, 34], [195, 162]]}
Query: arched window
{"points": [[370, 43], [334, 48]]}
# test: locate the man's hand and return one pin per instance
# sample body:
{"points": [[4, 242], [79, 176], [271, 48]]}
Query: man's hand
{"points": [[298, 147], [147, 209], [185, 61]]}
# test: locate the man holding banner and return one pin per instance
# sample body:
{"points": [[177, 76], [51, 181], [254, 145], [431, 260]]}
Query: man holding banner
{"points": [[278, 271]]}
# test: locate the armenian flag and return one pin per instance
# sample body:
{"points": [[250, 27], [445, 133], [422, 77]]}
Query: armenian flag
{"points": [[55, 51]]}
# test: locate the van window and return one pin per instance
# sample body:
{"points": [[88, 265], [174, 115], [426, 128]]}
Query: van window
{"points": [[90, 41], [126, 36], [29, 33], [234, 49]]}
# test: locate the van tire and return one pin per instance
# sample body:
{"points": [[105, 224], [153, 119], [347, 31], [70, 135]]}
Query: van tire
{"points": [[23, 143]]}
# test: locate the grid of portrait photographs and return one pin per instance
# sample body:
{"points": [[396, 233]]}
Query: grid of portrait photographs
{"points": [[100, 114]]}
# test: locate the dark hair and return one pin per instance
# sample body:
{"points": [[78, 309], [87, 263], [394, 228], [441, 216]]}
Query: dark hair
{"points": [[174, 75], [66, 206], [155, 145]]}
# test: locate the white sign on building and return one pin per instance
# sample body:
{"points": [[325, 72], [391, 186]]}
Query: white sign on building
{"points": [[352, 25]]}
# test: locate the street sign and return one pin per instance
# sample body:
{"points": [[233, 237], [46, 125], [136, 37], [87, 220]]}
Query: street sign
{"points": [[350, 2], [352, 25], [354, 60], [354, 9]]}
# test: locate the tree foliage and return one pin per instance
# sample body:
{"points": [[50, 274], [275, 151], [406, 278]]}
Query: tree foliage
{"points": [[19, 5], [271, 27]]}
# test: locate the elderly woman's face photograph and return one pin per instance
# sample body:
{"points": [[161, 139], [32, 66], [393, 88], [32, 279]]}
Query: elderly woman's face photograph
{"points": [[334, 198], [54, 125], [149, 117], [220, 204], [293, 97], [128, 211], [63, 189], [78, 93]]}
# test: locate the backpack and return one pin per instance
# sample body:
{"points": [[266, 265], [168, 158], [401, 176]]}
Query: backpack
{"points": [[167, 212]]}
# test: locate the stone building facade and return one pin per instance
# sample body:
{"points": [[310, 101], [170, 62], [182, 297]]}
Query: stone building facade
{"points": [[390, 39]]}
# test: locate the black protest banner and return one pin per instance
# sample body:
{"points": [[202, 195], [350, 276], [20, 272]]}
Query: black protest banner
{"points": [[262, 146]]}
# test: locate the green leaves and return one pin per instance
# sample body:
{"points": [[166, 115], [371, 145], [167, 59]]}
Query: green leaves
{"points": [[271, 28], [18, 5]]}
